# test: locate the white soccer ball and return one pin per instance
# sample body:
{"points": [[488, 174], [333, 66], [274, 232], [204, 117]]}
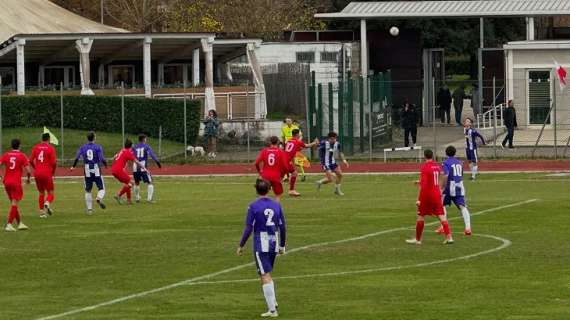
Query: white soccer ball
{"points": [[394, 31]]}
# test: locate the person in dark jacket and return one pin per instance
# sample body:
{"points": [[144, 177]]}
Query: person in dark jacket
{"points": [[444, 102], [458, 99], [510, 121], [211, 125], [409, 123]]}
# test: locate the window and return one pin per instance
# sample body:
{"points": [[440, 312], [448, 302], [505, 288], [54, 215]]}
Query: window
{"points": [[330, 57], [539, 96], [8, 77], [54, 76], [305, 57], [122, 73], [174, 74]]}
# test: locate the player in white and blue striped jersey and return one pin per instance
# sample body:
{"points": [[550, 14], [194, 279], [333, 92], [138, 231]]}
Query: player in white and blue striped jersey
{"points": [[471, 136], [329, 149], [92, 155], [454, 192], [142, 152], [265, 219]]}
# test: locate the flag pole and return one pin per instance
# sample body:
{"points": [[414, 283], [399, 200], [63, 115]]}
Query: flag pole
{"points": [[554, 121]]}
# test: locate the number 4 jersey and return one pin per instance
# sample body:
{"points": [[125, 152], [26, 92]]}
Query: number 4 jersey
{"points": [[43, 159]]}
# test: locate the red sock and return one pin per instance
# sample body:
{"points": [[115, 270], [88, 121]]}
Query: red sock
{"points": [[41, 201], [292, 181], [50, 198], [123, 191], [14, 215], [419, 229], [446, 228], [128, 192]]}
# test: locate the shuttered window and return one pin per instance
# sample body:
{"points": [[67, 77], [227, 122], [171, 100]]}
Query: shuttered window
{"points": [[539, 96]]}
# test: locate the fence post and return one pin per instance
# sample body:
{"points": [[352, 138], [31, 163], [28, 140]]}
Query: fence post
{"points": [[185, 132], [340, 113], [160, 142], [61, 120], [319, 111], [350, 117], [311, 114], [494, 118], [123, 110], [361, 100], [331, 108]]}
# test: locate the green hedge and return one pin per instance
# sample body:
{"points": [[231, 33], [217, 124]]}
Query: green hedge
{"points": [[103, 113]]}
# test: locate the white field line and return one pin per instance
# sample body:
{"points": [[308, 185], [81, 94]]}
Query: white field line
{"points": [[191, 281]]}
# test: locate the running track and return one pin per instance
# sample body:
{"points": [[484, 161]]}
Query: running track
{"points": [[360, 167]]}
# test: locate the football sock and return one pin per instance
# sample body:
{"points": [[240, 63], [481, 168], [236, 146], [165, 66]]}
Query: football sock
{"points": [[292, 181], [337, 187], [466, 218], [269, 293], [446, 228], [128, 193], [445, 212], [41, 201], [137, 191], [323, 181], [89, 200], [15, 214], [11, 215], [419, 229], [100, 194], [150, 192], [124, 190], [50, 198], [475, 170]]}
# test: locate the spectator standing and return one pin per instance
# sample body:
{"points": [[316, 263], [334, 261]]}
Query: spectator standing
{"points": [[458, 97], [409, 123], [211, 125], [510, 121], [476, 101], [444, 102]]}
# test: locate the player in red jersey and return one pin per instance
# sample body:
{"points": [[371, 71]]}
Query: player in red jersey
{"points": [[15, 162], [429, 200], [294, 145], [274, 166], [44, 162], [119, 172]]}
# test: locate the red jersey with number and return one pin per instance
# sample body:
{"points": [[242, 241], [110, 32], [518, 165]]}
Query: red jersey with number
{"points": [[429, 179], [292, 147], [121, 159], [274, 163], [15, 161], [43, 159]]}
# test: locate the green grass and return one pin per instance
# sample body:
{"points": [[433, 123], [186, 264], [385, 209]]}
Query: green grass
{"points": [[73, 139], [72, 260]]}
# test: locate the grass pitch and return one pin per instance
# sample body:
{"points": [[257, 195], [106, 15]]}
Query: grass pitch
{"points": [[72, 261]]}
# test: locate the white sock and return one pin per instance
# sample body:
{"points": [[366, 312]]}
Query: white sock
{"points": [[337, 186], [89, 200], [137, 191], [474, 170], [269, 294], [445, 212], [100, 194], [150, 192], [466, 218]]}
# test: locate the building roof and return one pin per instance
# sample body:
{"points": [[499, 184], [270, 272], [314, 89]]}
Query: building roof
{"points": [[538, 45], [450, 9], [43, 17]]}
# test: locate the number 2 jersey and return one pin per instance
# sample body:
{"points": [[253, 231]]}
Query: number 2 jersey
{"points": [[266, 220], [453, 169], [429, 180], [92, 156], [142, 151], [43, 159]]}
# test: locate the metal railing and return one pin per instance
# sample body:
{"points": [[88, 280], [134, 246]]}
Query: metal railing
{"points": [[487, 120]]}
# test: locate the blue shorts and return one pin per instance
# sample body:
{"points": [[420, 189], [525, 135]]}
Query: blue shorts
{"points": [[471, 155], [331, 167], [457, 201], [264, 261], [98, 181], [143, 176]]}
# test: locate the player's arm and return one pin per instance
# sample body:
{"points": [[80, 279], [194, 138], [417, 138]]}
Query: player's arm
{"points": [[258, 161], [282, 233], [102, 157], [343, 158], [28, 169], [246, 231], [153, 157], [312, 144], [33, 157], [477, 134], [77, 156], [443, 178]]}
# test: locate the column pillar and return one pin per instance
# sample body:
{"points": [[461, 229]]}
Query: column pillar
{"points": [[161, 74], [20, 67], [147, 69], [83, 46], [196, 67], [208, 48], [363, 49], [530, 29], [260, 99]]}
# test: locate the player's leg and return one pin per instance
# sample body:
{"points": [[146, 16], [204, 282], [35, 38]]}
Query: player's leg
{"points": [[437, 209], [147, 178], [125, 179], [49, 188], [17, 198], [277, 187], [292, 180], [88, 196], [420, 224], [472, 157], [327, 179], [137, 176], [446, 202], [100, 192], [338, 181], [461, 205], [264, 262], [15, 194]]}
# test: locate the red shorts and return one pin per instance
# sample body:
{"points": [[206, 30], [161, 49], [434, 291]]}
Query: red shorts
{"points": [[44, 182], [431, 205], [277, 187], [122, 176], [14, 191]]}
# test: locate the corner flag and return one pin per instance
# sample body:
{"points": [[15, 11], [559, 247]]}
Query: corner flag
{"points": [[561, 73], [52, 138]]}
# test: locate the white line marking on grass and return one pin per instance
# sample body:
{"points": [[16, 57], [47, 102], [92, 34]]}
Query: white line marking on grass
{"points": [[191, 281]]}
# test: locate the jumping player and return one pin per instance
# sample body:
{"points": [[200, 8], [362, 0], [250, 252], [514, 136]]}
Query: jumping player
{"points": [[266, 220], [471, 136], [429, 200], [327, 150], [119, 172], [454, 191], [15, 162], [92, 155], [142, 151], [44, 162], [274, 166], [294, 145]]}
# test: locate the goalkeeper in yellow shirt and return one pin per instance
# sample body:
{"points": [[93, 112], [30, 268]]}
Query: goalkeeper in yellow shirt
{"points": [[301, 162]]}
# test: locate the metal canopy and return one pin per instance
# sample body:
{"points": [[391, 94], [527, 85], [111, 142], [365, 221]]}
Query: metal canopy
{"points": [[450, 9]]}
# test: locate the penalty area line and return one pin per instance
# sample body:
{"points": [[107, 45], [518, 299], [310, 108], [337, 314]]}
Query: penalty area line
{"points": [[202, 278]]}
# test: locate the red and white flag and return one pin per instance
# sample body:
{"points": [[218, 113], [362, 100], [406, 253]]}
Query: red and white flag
{"points": [[561, 73]]}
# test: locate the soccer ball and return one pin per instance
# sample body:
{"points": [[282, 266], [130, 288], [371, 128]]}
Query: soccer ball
{"points": [[394, 31]]}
